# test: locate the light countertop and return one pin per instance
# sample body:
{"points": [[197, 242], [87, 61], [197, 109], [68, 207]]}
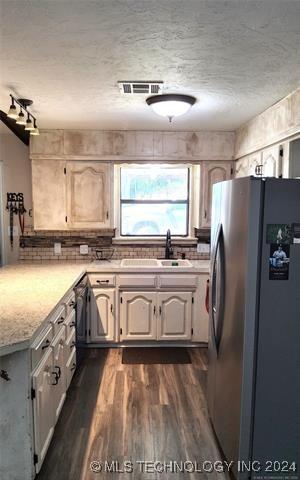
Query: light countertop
{"points": [[29, 294]]}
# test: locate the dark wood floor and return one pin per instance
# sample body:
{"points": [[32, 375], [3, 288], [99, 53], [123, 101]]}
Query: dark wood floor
{"points": [[116, 412]]}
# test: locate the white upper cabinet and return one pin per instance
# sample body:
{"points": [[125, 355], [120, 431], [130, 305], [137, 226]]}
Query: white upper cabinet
{"points": [[211, 173], [49, 194], [88, 195], [138, 316], [174, 316], [102, 315]]}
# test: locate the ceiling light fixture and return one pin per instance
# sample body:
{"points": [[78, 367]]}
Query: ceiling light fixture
{"points": [[12, 112], [170, 104], [23, 103], [21, 118], [29, 125]]}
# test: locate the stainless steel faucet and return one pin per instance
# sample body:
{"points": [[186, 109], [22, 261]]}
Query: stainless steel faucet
{"points": [[169, 249]]}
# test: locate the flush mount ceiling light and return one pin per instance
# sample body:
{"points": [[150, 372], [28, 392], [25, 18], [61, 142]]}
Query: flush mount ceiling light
{"points": [[30, 123], [170, 104]]}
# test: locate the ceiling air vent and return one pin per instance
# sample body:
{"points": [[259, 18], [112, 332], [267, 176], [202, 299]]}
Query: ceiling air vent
{"points": [[146, 88]]}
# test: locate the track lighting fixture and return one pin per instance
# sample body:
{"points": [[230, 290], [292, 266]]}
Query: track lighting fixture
{"points": [[30, 123], [21, 118], [12, 112]]}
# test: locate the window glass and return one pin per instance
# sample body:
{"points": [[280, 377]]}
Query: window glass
{"points": [[153, 200]]}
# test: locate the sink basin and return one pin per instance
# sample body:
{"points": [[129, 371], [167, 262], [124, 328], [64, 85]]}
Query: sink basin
{"points": [[140, 262], [175, 263]]}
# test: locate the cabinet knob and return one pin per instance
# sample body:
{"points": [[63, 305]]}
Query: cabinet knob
{"points": [[72, 345], [72, 304], [73, 366], [61, 320], [154, 310], [111, 308]]}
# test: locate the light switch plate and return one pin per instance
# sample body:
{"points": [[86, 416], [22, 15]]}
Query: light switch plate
{"points": [[84, 249], [203, 247], [57, 248]]}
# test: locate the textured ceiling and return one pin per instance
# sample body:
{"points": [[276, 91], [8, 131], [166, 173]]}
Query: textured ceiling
{"points": [[237, 58]]}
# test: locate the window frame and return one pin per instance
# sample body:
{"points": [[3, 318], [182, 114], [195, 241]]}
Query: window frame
{"points": [[118, 202]]}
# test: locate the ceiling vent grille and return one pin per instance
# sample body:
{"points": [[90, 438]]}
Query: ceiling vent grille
{"points": [[145, 88]]}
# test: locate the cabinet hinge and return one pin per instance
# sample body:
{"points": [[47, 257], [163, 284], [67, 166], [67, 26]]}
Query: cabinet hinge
{"points": [[121, 331], [121, 300], [192, 299], [32, 393], [65, 171], [66, 218], [89, 298], [89, 331], [35, 458], [231, 170], [192, 331]]}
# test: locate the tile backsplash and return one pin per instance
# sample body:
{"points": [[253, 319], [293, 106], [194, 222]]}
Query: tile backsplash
{"points": [[38, 247]]}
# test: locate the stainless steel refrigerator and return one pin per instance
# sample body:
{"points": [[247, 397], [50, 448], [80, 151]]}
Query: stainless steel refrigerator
{"points": [[254, 338]]}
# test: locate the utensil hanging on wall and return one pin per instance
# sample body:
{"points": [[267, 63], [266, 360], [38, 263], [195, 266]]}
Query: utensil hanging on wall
{"points": [[15, 206]]}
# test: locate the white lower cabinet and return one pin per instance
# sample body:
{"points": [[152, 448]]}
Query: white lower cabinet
{"points": [[43, 407], [174, 316], [70, 368], [58, 372], [102, 314], [138, 316], [156, 316]]}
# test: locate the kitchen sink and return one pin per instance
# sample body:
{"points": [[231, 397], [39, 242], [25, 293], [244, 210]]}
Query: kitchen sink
{"points": [[175, 263], [140, 262]]}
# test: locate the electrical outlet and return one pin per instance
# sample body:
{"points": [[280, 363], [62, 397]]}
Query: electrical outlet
{"points": [[84, 249], [203, 247], [57, 248], [15, 231]]}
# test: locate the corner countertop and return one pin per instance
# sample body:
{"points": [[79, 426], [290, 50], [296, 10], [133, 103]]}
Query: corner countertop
{"points": [[29, 294]]}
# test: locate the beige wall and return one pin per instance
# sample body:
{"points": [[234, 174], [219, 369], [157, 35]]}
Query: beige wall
{"points": [[16, 172], [275, 125]]}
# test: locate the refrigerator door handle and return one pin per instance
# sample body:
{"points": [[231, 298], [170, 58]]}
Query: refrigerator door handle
{"points": [[218, 293], [221, 294]]}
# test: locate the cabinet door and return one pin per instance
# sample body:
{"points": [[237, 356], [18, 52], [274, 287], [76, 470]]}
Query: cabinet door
{"points": [[102, 315], [49, 195], [88, 194], [58, 372], [138, 316], [272, 162], [174, 316], [211, 173], [242, 167], [43, 408], [255, 164]]}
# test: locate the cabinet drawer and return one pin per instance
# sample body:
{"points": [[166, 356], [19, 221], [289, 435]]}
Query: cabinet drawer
{"points": [[57, 320], [70, 344], [70, 368], [178, 281], [41, 346], [97, 280], [137, 281], [70, 324], [70, 303]]}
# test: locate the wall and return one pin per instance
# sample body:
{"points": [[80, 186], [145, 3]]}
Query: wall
{"points": [[39, 247], [273, 126], [132, 145], [16, 178]]}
